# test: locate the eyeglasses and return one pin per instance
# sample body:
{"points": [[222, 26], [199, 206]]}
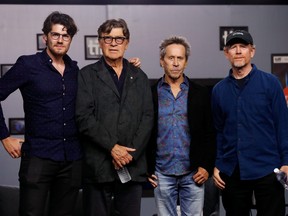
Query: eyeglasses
{"points": [[56, 36], [109, 39]]}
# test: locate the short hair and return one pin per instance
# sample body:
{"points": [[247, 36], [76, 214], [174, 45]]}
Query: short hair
{"points": [[174, 40], [62, 19], [108, 25]]}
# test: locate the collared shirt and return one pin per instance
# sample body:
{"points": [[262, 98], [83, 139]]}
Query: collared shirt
{"points": [[119, 82], [173, 141], [49, 106], [251, 124]]}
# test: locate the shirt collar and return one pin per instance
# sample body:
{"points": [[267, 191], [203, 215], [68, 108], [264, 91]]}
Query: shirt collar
{"points": [[185, 82], [46, 58], [251, 73]]}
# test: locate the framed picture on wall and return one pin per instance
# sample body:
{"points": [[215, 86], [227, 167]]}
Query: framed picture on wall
{"points": [[226, 30], [279, 67], [16, 126], [5, 68], [40, 42], [92, 49]]}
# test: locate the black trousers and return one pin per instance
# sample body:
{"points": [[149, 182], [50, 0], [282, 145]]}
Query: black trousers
{"points": [[211, 199], [268, 192], [111, 199], [42, 178]]}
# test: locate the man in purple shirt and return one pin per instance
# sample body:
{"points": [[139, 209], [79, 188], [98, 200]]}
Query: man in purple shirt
{"points": [[181, 150]]}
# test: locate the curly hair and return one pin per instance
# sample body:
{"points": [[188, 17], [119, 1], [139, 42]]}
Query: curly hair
{"points": [[60, 18]]}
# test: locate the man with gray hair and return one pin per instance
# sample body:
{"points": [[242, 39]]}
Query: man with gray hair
{"points": [[114, 112], [181, 150], [251, 118]]}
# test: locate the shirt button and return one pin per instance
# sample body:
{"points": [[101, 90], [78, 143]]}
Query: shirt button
{"points": [[64, 108], [64, 124], [64, 139]]}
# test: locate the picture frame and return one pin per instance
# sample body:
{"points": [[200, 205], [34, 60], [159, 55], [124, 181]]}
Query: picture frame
{"points": [[5, 68], [92, 48], [279, 67], [40, 41], [16, 126], [224, 31]]}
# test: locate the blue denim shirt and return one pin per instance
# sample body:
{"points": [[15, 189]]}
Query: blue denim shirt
{"points": [[49, 106], [251, 124], [173, 141]]}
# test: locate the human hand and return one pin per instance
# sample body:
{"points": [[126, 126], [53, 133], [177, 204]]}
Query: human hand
{"points": [[284, 169], [153, 180], [13, 146], [135, 61], [200, 176], [121, 155], [217, 179]]}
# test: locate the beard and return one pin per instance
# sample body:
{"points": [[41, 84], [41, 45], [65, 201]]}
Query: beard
{"points": [[239, 65]]}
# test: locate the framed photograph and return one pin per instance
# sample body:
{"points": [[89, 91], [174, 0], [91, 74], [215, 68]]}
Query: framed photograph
{"points": [[226, 30], [279, 67], [16, 126], [92, 49], [40, 42], [5, 68]]}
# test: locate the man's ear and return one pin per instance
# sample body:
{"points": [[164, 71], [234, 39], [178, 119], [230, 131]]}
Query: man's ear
{"points": [[253, 51], [44, 39], [225, 51]]}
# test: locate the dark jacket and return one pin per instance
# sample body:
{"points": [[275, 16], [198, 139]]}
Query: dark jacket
{"points": [[202, 147], [104, 119]]}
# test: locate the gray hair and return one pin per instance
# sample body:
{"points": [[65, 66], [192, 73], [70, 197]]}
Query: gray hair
{"points": [[174, 40]]}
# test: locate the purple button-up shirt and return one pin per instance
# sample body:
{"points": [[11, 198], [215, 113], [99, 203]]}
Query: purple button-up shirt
{"points": [[49, 106], [173, 141]]}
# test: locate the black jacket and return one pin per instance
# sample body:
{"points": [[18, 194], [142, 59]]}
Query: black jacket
{"points": [[202, 147], [105, 118]]}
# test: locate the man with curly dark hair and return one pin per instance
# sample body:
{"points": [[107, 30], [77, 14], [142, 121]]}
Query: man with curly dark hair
{"points": [[50, 154]]}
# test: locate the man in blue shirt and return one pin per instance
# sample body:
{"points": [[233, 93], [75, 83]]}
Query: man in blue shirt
{"points": [[181, 150], [51, 153], [251, 120]]}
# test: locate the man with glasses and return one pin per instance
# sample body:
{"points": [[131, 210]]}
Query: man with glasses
{"points": [[114, 112], [51, 153]]}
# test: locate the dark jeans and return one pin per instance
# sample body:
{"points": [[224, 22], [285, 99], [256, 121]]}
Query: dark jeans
{"points": [[211, 199], [40, 178], [111, 199], [268, 192]]}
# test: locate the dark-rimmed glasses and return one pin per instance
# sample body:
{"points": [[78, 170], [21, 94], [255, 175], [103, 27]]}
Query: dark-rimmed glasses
{"points": [[108, 39], [56, 36]]}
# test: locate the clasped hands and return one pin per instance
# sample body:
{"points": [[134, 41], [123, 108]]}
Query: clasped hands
{"points": [[121, 155]]}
